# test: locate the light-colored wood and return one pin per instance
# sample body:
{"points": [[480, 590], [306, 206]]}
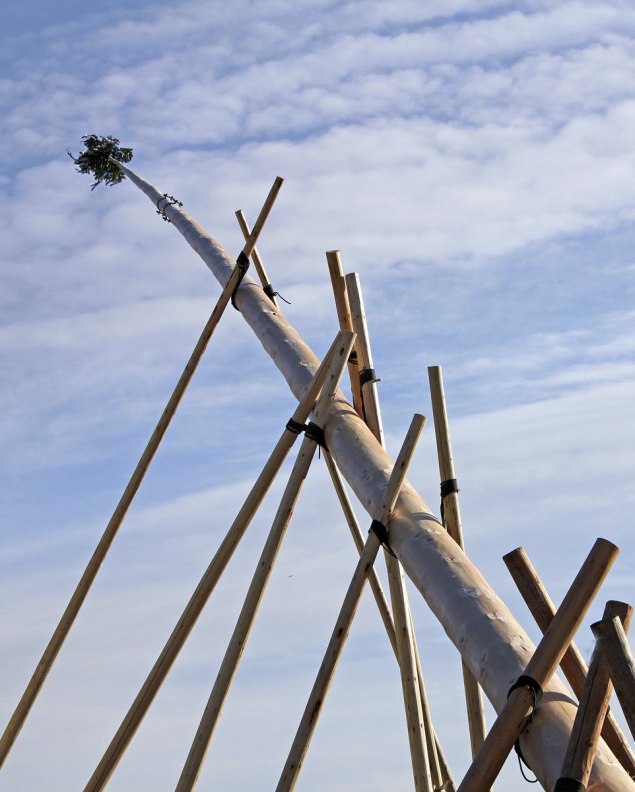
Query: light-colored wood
{"points": [[496, 649], [615, 648], [452, 520], [343, 308], [441, 777], [264, 567], [308, 722], [594, 705], [250, 242], [573, 665], [210, 578], [99, 554], [507, 727], [255, 255]]}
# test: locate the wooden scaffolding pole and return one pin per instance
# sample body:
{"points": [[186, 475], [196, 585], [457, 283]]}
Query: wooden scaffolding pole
{"points": [[452, 521], [573, 666], [594, 705], [210, 578], [293, 765], [614, 645], [522, 701], [489, 638], [255, 257], [261, 576], [90, 573]]}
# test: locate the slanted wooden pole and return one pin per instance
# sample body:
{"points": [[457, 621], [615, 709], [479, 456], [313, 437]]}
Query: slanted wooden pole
{"points": [[573, 666], [293, 765], [621, 664], [90, 573], [261, 576], [496, 649], [544, 661], [420, 729], [594, 705], [452, 521], [255, 257], [210, 578], [343, 308], [439, 771]]}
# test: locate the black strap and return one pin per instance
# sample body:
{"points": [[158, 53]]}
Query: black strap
{"points": [[242, 262], [368, 375], [269, 291], [380, 530], [315, 433], [569, 785], [535, 689], [295, 426], [352, 358], [448, 487]]}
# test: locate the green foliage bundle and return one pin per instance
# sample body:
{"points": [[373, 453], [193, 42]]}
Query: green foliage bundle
{"points": [[96, 159]]}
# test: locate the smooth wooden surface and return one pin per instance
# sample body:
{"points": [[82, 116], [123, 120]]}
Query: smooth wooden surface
{"points": [[452, 515], [250, 242], [308, 722], [343, 309], [614, 645], [496, 650], [502, 736], [594, 705], [262, 573], [255, 255], [90, 573], [210, 578], [573, 665]]}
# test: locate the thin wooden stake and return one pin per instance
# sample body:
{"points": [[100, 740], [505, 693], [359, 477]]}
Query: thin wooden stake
{"points": [[255, 257], [207, 583], [343, 308], [90, 573], [573, 666], [452, 521], [519, 705], [594, 705], [621, 664], [346, 615], [259, 581], [417, 711]]}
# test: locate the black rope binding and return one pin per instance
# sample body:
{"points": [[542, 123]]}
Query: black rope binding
{"points": [[535, 689], [569, 785], [447, 488], [380, 530], [268, 290], [169, 200], [352, 358], [295, 426], [368, 375], [315, 433], [242, 262]]}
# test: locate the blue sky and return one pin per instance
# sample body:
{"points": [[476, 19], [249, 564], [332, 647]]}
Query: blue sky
{"points": [[473, 161]]}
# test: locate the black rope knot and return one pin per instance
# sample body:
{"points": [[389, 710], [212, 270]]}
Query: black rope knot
{"points": [[269, 291], [381, 532], [368, 375], [315, 433], [242, 262], [535, 689]]}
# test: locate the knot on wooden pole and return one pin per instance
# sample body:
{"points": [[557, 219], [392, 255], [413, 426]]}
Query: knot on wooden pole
{"points": [[242, 262], [535, 688]]}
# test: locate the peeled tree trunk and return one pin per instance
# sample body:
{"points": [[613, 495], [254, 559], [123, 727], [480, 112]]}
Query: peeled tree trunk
{"points": [[491, 642]]}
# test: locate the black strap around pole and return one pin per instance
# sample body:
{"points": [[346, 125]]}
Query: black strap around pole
{"points": [[242, 262], [569, 785]]}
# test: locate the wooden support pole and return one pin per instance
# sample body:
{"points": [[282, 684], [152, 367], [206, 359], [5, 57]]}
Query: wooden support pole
{"points": [[343, 308], [621, 664], [261, 576], [573, 666], [452, 521], [439, 771], [420, 729], [207, 583], [255, 257], [594, 705], [90, 573], [250, 242], [345, 618], [520, 702]]}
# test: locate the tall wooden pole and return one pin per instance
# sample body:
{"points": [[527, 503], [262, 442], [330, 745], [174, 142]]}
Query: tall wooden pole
{"points": [[594, 705], [614, 645], [489, 638], [293, 765], [255, 257], [452, 520], [573, 666], [210, 578], [521, 701]]}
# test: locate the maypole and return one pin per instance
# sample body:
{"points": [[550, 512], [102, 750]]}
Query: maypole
{"points": [[492, 644]]}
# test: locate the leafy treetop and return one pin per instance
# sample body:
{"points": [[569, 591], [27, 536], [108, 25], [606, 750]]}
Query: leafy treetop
{"points": [[96, 159]]}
